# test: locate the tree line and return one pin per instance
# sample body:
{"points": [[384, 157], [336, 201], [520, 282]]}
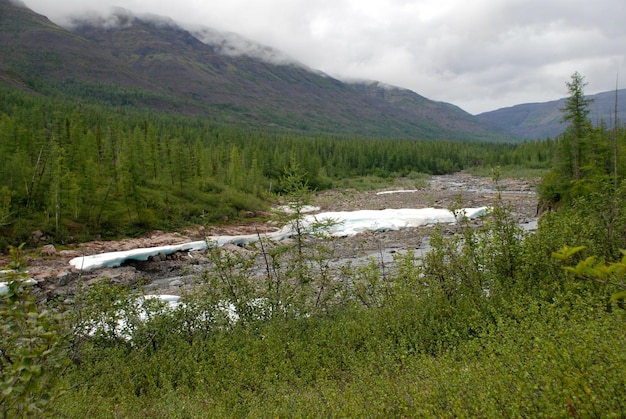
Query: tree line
{"points": [[76, 170]]}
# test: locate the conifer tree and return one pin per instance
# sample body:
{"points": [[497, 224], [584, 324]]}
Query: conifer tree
{"points": [[575, 112]]}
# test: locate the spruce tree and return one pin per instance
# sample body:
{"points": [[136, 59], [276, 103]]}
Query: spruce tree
{"points": [[575, 112]]}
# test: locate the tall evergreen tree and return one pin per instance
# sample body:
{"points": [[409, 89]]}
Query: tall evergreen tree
{"points": [[576, 112]]}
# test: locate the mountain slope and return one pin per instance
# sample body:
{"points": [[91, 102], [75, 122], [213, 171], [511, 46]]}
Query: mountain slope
{"points": [[155, 63], [543, 120], [36, 52], [434, 115]]}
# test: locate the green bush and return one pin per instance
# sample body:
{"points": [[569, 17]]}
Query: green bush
{"points": [[32, 347]]}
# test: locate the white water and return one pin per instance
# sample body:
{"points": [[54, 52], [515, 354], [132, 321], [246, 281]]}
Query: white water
{"points": [[346, 223]]}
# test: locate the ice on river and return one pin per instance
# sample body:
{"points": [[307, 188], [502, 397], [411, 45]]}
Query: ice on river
{"points": [[344, 223]]}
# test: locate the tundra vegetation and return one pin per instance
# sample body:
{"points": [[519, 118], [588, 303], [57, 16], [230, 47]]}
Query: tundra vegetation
{"points": [[492, 322]]}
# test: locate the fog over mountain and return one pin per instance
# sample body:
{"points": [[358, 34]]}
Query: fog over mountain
{"points": [[480, 55], [232, 44], [527, 120], [145, 60]]}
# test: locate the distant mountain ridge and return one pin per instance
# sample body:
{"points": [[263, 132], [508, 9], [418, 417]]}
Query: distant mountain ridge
{"points": [[543, 120], [155, 63]]}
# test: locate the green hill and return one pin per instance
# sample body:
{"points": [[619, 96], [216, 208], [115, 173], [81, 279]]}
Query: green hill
{"points": [[155, 63], [543, 120]]}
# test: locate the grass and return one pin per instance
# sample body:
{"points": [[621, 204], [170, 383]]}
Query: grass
{"points": [[370, 183]]}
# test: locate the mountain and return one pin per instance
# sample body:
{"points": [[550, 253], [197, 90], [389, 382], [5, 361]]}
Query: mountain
{"points": [[543, 120], [152, 62]]}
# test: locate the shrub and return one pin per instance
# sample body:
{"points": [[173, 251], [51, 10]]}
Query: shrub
{"points": [[32, 347]]}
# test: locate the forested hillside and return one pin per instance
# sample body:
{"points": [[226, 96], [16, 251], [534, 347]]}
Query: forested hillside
{"points": [[155, 63]]}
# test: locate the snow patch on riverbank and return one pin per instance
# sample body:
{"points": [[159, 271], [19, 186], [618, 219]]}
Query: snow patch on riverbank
{"points": [[344, 223]]}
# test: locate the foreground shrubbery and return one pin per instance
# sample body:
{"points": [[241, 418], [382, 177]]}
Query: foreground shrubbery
{"points": [[32, 346], [542, 359], [489, 324]]}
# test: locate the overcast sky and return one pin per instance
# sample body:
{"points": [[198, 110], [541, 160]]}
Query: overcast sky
{"points": [[478, 54]]}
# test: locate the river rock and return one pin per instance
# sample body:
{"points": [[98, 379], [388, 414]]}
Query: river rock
{"points": [[125, 275], [70, 254], [48, 250], [176, 283], [198, 257], [65, 277], [158, 258], [233, 248]]}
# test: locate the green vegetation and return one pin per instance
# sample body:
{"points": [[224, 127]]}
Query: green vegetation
{"points": [[589, 159], [75, 170], [489, 323], [33, 350]]}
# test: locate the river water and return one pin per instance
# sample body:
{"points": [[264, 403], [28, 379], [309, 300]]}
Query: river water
{"points": [[383, 247]]}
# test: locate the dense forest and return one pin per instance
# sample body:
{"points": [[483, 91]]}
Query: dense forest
{"points": [[493, 321], [76, 170]]}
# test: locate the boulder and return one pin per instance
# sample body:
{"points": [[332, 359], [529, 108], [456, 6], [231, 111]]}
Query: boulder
{"points": [[48, 250], [70, 254], [65, 277], [37, 235], [158, 257], [233, 248]]}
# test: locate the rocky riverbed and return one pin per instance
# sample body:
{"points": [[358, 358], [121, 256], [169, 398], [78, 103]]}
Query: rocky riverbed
{"points": [[170, 274]]}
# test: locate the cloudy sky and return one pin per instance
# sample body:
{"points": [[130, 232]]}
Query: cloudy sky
{"points": [[480, 55]]}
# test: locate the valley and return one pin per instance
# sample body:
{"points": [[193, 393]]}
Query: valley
{"points": [[136, 143], [174, 273]]}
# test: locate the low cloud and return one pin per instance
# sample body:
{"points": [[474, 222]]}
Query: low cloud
{"points": [[479, 55], [226, 43], [232, 44], [116, 18]]}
